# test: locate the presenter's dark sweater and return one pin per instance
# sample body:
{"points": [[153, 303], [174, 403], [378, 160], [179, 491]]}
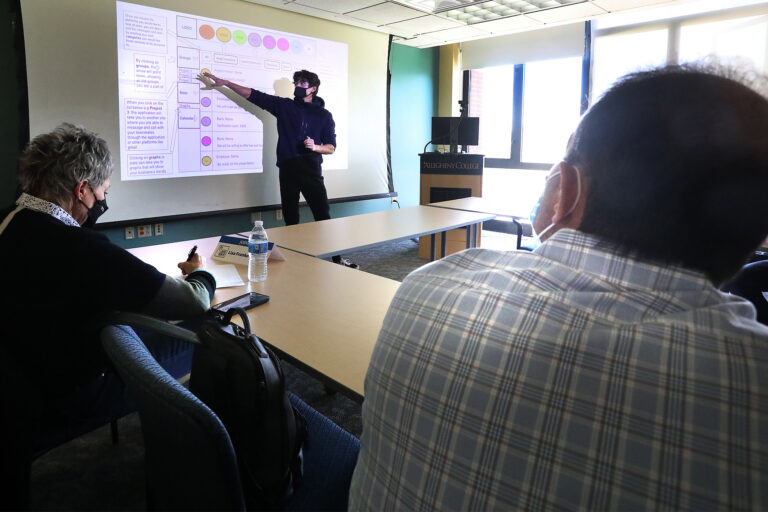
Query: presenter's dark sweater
{"points": [[297, 120]]}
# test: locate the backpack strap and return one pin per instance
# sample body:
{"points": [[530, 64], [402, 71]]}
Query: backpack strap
{"points": [[9, 218]]}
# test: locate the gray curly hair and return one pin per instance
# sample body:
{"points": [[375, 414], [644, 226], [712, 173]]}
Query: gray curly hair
{"points": [[53, 163]]}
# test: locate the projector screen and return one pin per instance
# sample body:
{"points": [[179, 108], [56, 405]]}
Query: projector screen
{"points": [[169, 128], [127, 71]]}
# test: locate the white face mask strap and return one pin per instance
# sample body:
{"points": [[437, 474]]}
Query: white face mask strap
{"points": [[573, 207]]}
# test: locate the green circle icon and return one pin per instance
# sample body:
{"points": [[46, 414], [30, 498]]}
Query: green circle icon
{"points": [[239, 37]]}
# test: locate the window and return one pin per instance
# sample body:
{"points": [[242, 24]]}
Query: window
{"points": [[738, 36], [616, 55], [551, 108], [491, 92], [526, 111], [742, 39]]}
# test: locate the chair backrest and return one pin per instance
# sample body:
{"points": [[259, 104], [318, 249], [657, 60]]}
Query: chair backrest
{"points": [[750, 283], [190, 461]]}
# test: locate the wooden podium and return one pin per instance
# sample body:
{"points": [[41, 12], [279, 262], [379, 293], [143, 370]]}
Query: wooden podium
{"points": [[446, 176]]}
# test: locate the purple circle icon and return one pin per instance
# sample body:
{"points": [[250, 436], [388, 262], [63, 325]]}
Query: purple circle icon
{"points": [[254, 39], [206, 141], [206, 101], [269, 42], [206, 121], [282, 44]]}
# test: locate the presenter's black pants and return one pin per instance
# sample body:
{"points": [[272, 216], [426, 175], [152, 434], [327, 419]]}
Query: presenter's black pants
{"points": [[302, 175]]}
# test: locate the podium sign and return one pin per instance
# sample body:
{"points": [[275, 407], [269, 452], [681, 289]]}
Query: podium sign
{"points": [[446, 176]]}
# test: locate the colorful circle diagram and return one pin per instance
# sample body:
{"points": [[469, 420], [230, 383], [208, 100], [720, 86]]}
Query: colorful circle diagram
{"points": [[269, 42], [207, 161], [206, 31], [282, 44], [206, 141], [254, 39], [239, 37], [205, 101], [223, 34], [205, 121]]}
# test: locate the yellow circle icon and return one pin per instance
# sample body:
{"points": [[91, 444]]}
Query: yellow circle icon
{"points": [[223, 34], [205, 70], [206, 161]]}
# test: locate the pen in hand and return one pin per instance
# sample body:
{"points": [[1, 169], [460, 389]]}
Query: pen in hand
{"points": [[191, 253]]}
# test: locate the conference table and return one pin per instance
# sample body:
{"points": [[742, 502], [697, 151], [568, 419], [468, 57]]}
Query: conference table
{"points": [[322, 317], [488, 206], [326, 238]]}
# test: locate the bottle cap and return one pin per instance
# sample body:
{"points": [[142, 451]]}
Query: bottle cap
{"points": [[258, 223]]}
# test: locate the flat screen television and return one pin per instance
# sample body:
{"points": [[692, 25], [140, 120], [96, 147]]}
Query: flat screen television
{"points": [[464, 130]]}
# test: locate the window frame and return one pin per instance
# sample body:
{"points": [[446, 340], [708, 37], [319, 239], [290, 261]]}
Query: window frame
{"points": [[518, 83]]}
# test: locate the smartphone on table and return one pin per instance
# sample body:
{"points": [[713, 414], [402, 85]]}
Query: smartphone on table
{"points": [[246, 301]]}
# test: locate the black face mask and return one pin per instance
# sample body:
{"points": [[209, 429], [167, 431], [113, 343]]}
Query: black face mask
{"points": [[95, 211], [299, 92]]}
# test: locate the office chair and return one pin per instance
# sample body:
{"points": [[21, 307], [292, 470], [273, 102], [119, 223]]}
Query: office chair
{"points": [[750, 283], [29, 429], [190, 461]]}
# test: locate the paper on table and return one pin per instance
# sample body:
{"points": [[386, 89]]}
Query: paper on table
{"points": [[226, 275]]}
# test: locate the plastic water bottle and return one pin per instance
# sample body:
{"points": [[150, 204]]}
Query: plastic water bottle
{"points": [[257, 253]]}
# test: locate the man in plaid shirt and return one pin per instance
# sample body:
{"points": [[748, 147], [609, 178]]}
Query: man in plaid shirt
{"points": [[604, 370]]}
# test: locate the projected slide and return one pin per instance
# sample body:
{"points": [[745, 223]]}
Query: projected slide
{"points": [[169, 128]]}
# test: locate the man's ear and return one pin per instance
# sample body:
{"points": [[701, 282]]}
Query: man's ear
{"points": [[569, 206]]}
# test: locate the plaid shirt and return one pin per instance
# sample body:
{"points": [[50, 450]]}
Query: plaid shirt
{"points": [[570, 378]]}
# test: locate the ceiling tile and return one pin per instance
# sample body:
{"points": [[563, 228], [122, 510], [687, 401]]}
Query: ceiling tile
{"points": [[338, 6], [567, 13], [385, 13], [458, 34], [425, 24], [506, 25]]}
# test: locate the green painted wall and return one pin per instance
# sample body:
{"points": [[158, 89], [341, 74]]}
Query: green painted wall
{"points": [[413, 103], [413, 97]]}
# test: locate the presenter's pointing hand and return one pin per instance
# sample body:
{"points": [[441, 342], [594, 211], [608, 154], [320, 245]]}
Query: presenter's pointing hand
{"points": [[196, 263], [309, 143], [210, 81]]}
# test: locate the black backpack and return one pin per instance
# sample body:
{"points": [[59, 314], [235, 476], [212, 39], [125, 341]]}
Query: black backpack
{"points": [[241, 380]]}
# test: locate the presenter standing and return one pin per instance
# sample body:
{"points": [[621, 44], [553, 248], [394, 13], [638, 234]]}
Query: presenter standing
{"points": [[306, 131]]}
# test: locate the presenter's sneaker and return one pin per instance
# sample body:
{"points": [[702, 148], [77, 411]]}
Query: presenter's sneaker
{"points": [[347, 263]]}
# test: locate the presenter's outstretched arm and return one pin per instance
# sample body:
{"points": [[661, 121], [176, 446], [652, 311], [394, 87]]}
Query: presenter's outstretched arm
{"points": [[220, 82]]}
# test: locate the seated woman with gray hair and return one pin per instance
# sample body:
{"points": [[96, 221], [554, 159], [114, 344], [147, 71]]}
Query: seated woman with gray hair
{"points": [[60, 279]]}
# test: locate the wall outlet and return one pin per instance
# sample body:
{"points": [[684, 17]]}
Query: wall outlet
{"points": [[129, 233], [159, 229], [255, 216], [278, 214], [145, 230]]}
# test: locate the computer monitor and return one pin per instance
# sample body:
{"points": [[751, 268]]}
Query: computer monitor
{"points": [[462, 131]]}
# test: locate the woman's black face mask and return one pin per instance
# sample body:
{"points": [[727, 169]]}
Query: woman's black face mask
{"points": [[95, 211]]}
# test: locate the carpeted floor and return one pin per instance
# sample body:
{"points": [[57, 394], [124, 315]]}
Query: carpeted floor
{"points": [[90, 473]]}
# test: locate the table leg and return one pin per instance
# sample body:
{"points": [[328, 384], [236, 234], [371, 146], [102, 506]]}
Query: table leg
{"points": [[519, 233], [442, 243], [432, 247]]}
